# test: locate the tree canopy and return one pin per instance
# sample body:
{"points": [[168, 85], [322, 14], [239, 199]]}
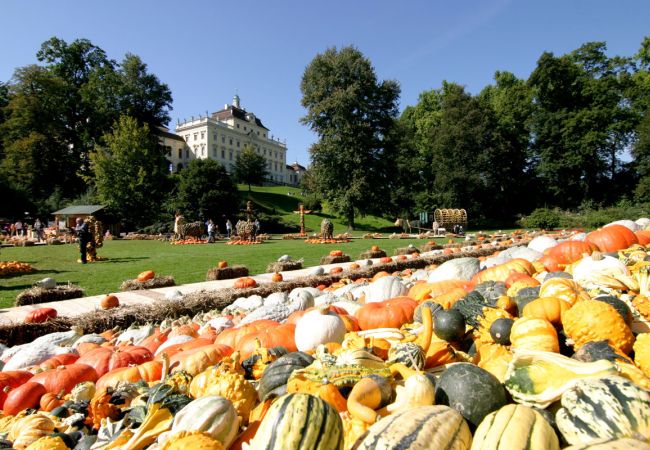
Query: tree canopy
{"points": [[250, 167], [351, 112]]}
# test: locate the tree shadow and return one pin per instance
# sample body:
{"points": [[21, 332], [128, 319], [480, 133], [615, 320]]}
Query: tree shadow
{"points": [[16, 286], [121, 260]]}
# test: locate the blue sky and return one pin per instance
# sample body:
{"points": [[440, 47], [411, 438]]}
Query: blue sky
{"points": [[206, 50]]}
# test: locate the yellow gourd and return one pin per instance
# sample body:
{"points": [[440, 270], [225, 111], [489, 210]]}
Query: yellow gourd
{"points": [[534, 334], [642, 352], [593, 320], [48, 443], [195, 440], [29, 429]]}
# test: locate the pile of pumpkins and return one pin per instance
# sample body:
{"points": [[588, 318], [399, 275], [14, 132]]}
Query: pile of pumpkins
{"points": [[9, 268], [543, 346]]}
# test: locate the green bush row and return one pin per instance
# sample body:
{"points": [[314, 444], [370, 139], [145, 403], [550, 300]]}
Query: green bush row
{"points": [[587, 216]]}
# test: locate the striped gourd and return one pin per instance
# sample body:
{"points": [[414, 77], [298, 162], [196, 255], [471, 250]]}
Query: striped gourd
{"points": [[612, 444], [515, 427], [359, 357], [213, 414], [299, 422], [339, 376], [419, 428], [599, 408], [408, 353]]}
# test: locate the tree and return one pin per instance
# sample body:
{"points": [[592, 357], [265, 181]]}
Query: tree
{"points": [[205, 191], [351, 112], [250, 167], [130, 172], [640, 96]]}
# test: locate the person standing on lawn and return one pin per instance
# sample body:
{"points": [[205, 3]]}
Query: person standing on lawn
{"points": [[84, 237]]}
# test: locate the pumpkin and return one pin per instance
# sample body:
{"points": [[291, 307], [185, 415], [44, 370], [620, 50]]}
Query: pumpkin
{"points": [[594, 321], [48, 443], [183, 330], [534, 334], [40, 315], [28, 429], [501, 272], [282, 335], [245, 282], [56, 361], [354, 266], [385, 288], [276, 277], [385, 260], [148, 372], [26, 396], [146, 276], [581, 418], [494, 358], [226, 381], [500, 330], [563, 288], [337, 269], [537, 379], [196, 360], [612, 238], [515, 426], [64, 378], [199, 440], [367, 395], [423, 291], [472, 391], [642, 352], [232, 336], [547, 308], [299, 421], [549, 263], [392, 313], [620, 306], [317, 327], [449, 325], [222, 264], [568, 252], [335, 253], [448, 299], [418, 390], [522, 279], [274, 380], [211, 414], [421, 427], [110, 301], [611, 444], [408, 353], [10, 380], [50, 401], [105, 359]]}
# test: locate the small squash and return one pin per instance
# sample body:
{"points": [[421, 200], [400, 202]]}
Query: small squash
{"points": [[109, 302], [146, 276]]}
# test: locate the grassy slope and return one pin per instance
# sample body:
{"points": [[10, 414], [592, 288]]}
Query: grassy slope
{"points": [[187, 263], [275, 197]]}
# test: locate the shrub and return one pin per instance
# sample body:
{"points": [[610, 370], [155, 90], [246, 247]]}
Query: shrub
{"points": [[313, 203], [544, 218]]}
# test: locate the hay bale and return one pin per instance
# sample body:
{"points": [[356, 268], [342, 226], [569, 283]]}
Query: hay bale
{"points": [[226, 273], [158, 282], [429, 246], [37, 294], [283, 266], [370, 254], [406, 250], [334, 259]]}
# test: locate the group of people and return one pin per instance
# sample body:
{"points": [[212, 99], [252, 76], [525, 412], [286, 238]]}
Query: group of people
{"points": [[19, 228], [213, 229]]}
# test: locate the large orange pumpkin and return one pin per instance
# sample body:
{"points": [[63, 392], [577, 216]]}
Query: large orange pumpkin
{"points": [[196, 360], [40, 315], [423, 291], [26, 396], [245, 282], [549, 263], [12, 379], [155, 340], [105, 359], [64, 378], [231, 336], [568, 252], [643, 236], [547, 308], [391, 313], [280, 336], [501, 272], [149, 371], [58, 360], [177, 348], [612, 238], [564, 289]]}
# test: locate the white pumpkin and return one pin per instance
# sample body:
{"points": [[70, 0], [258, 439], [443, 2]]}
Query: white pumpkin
{"points": [[630, 224], [541, 243], [248, 303], [579, 237], [643, 223], [599, 270], [33, 355], [301, 299], [385, 288], [276, 298], [523, 253], [174, 295], [318, 270], [46, 283], [318, 326], [455, 269], [173, 341], [284, 258], [213, 414]]}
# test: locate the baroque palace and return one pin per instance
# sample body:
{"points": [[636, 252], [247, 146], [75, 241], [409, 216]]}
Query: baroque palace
{"points": [[222, 136]]}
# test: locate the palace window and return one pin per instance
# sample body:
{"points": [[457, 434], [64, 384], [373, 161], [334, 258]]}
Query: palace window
{"points": [[214, 151], [202, 134], [230, 141], [187, 137], [223, 154], [237, 143], [223, 139], [196, 136], [231, 156], [187, 153], [237, 125], [180, 153]]}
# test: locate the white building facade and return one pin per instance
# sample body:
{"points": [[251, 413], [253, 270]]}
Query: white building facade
{"points": [[223, 135]]}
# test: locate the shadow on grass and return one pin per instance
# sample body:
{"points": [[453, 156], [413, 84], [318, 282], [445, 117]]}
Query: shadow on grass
{"points": [[16, 286], [124, 259], [33, 272]]}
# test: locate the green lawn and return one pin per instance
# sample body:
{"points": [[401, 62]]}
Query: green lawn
{"points": [[187, 263], [276, 198]]}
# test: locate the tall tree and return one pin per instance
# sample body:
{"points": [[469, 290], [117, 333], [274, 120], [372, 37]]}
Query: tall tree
{"points": [[640, 96], [205, 191], [351, 112], [131, 172], [250, 167]]}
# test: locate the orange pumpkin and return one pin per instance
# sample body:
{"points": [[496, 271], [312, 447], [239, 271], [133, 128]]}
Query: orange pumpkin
{"points": [[222, 264], [375, 248], [276, 277], [50, 401], [232, 336], [523, 279], [337, 269], [385, 260], [422, 291], [40, 315], [279, 336], [245, 282], [64, 378], [149, 372], [564, 289], [353, 266], [391, 313], [58, 360], [156, 339], [501, 272], [336, 253], [448, 299], [568, 252], [183, 330], [146, 275], [105, 359], [183, 346], [643, 236], [549, 263], [26, 396], [612, 238], [380, 274], [196, 360], [110, 301], [439, 353], [12, 379], [547, 308], [534, 334]]}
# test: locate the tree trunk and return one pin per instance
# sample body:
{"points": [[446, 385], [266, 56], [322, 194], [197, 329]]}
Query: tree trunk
{"points": [[350, 218], [249, 187]]}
